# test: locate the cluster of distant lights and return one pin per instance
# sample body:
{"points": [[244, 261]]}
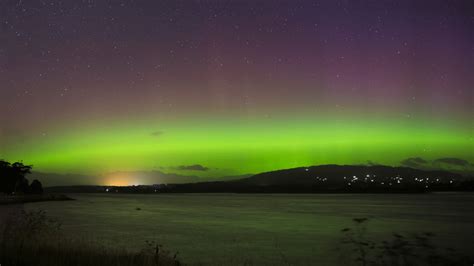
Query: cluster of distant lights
{"points": [[371, 179]]}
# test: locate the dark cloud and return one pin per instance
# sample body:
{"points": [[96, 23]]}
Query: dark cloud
{"points": [[372, 163], [447, 163], [414, 162], [157, 133], [452, 161], [194, 167]]}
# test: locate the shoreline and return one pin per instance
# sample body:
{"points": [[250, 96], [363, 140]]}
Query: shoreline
{"points": [[20, 199]]}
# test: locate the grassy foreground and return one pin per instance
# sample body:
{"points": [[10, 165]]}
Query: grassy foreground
{"points": [[399, 250], [30, 238]]}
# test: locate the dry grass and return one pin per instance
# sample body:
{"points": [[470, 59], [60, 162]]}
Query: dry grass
{"points": [[399, 250], [31, 238]]}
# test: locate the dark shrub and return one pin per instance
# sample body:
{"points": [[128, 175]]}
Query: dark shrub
{"points": [[36, 187]]}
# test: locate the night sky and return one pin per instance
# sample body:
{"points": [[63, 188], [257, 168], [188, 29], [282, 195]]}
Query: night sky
{"points": [[222, 87]]}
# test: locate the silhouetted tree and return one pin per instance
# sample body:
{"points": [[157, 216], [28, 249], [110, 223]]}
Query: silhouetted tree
{"points": [[7, 182], [36, 187], [22, 186], [12, 177]]}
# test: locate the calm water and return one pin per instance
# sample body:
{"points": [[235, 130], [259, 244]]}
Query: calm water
{"points": [[261, 229]]}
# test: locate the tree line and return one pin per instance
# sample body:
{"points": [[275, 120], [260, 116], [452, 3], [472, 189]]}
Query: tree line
{"points": [[13, 179]]}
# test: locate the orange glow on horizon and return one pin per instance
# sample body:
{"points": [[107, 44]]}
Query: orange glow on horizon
{"points": [[119, 179]]}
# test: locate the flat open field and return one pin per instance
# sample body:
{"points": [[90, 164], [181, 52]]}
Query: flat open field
{"points": [[260, 229]]}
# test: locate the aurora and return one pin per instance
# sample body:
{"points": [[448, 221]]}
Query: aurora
{"points": [[233, 88], [243, 145]]}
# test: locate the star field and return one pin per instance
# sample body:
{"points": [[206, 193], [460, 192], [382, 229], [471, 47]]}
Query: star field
{"points": [[88, 82]]}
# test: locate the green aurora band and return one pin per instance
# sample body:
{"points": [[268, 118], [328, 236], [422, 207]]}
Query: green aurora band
{"points": [[241, 145]]}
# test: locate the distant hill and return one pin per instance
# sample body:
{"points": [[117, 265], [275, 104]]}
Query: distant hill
{"points": [[335, 174], [314, 179], [53, 179], [338, 178]]}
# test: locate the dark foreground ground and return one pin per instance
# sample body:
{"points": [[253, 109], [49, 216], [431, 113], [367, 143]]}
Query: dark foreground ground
{"points": [[19, 199], [30, 238], [275, 229]]}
